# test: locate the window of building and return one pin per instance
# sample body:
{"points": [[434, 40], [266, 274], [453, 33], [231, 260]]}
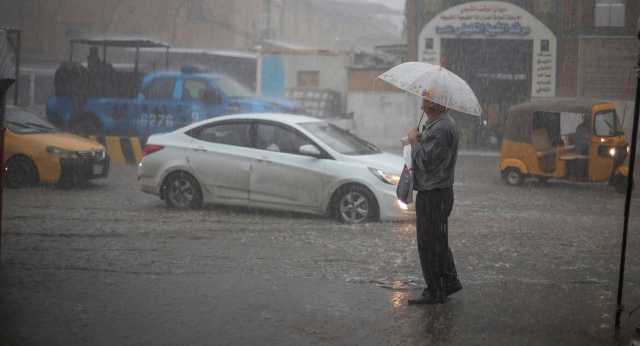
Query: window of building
{"points": [[544, 45], [308, 79], [428, 44], [609, 13]]}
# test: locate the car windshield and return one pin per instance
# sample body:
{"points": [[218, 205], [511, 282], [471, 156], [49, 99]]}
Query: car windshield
{"points": [[606, 123], [340, 140], [231, 88], [23, 122]]}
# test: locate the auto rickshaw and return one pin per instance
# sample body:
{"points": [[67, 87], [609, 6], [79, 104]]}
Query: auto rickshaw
{"points": [[564, 138]]}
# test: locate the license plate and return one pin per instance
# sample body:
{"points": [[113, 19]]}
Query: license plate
{"points": [[97, 169]]}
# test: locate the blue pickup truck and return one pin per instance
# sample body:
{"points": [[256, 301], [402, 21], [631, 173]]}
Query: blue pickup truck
{"points": [[166, 100]]}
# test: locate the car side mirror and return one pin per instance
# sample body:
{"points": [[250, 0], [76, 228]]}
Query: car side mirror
{"points": [[211, 97], [310, 150]]}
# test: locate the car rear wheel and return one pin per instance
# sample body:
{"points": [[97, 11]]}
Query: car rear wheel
{"points": [[354, 204], [21, 172], [182, 191], [620, 183], [513, 176]]}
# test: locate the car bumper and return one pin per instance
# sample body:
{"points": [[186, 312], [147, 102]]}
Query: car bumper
{"points": [[80, 169], [148, 186], [148, 183], [392, 209]]}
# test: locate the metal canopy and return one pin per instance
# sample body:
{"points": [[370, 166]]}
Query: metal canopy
{"points": [[125, 41], [276, 47]]}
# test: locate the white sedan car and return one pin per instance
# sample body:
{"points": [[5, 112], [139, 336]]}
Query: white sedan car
{"points": [[275, 161]]}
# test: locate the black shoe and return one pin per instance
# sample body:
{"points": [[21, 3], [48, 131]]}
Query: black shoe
{"points": [[453, 287], [450, 289], [430, 300]]}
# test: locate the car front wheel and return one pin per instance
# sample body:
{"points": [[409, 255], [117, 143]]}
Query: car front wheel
{"points": [[21, 172], [182, 191], [620, 183], [354, 204]]}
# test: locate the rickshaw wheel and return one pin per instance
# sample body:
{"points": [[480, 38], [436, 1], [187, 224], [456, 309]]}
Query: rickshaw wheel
{"points": [[513, 176], [620, 183]]}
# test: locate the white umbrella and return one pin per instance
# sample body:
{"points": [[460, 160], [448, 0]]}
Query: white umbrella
{"points": [[434, 83]]}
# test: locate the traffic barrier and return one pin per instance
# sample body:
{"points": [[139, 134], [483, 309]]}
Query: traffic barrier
{"points": [[125, 150]]}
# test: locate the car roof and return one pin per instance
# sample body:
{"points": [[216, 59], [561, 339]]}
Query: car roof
{"points": [[290, 119]]}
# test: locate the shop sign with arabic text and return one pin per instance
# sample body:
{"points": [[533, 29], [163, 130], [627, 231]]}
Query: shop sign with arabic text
{"points": [[489, 20]]}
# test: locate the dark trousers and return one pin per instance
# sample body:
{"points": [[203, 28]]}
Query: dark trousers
{"points": [[433, 208]]}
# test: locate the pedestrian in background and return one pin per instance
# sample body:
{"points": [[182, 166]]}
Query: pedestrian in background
{"points": [[435, 152]]}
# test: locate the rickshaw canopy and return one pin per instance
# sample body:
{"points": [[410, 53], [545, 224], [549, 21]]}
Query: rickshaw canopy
{"points": [[556, 104], [520, 117]]}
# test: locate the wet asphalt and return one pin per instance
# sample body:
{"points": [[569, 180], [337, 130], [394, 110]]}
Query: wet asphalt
{"points": [[106, 264]]}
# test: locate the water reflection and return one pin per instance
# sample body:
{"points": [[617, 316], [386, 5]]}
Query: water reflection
{"points": [[405, 228], [398, 299], [438, 323], [425, 324]]}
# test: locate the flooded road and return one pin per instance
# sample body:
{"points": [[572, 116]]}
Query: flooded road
{"points": [[112, 265]]}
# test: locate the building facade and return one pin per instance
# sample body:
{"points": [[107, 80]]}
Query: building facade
{"points": [[511, 51]]}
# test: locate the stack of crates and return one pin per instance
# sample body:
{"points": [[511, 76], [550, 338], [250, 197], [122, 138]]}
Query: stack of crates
{"points": [[320, 103]]}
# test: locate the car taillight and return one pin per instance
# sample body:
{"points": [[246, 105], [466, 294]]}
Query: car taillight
{"points": [[152, 148]]}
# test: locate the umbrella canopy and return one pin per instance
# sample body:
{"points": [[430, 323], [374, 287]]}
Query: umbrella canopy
{"points": [[434, 83]]}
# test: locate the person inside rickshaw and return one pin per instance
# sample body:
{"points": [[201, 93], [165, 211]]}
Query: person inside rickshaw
{"points": [[583, 136], [545, 139], [582, 145]]}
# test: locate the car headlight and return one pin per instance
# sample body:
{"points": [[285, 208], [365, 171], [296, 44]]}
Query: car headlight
{"points": [[612, 152], [628, 148], [100, 155], [389, 178], [63, 153]]}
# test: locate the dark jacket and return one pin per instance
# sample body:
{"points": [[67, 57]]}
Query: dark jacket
{"points": [[583, 139], [434, 157]]}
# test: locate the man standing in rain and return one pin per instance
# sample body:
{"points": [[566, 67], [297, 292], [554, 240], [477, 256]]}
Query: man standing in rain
{"points": [[435, 151]]}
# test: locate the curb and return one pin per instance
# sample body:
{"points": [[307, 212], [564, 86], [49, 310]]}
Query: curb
{"points": [[123, 150]]}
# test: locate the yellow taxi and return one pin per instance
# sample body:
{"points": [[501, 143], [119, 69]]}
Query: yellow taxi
{"points": [[36, 152]]}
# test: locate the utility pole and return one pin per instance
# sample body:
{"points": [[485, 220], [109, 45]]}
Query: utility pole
{"points": [[627, 205], [258, 70], [8, 76], [264, 32]]}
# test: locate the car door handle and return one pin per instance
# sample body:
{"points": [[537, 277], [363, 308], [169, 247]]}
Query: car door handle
{"points": [[264, 160], [199, 149]]}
